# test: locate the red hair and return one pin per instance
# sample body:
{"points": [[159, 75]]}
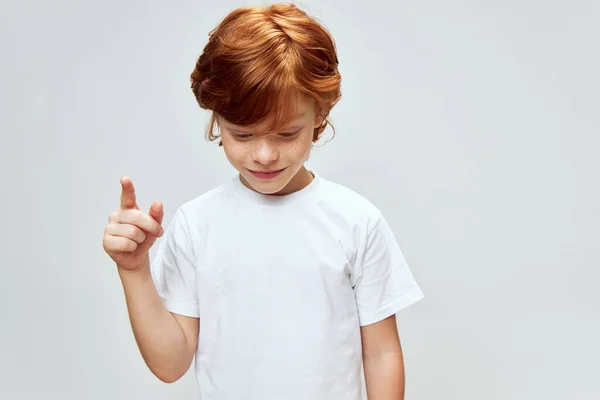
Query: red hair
{"points": [[258, 59]]}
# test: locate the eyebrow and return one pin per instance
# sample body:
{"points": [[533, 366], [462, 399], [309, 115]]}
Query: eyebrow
{"points": [[243, 131]]}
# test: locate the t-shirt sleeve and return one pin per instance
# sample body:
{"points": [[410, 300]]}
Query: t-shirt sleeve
{"points": [[173, 268], [383, 282]]}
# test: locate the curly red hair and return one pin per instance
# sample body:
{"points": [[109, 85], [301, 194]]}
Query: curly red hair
{"points": [[256, 62]]}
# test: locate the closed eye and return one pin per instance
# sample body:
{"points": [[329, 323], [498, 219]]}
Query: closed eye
{"points": [[241, 135], [288, 134]]}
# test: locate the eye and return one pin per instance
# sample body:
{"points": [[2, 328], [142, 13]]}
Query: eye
{"points": [[241, 136], [288, 134]]}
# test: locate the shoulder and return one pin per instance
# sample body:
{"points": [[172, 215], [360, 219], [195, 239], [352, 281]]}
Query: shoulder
{"points": [[348, 199], [348, 203]]}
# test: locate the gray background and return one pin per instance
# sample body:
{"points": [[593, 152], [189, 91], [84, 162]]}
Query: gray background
{"points": [[473, 125]]}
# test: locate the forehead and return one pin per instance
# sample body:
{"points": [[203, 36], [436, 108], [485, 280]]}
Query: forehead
{"points": [[291, 113]]}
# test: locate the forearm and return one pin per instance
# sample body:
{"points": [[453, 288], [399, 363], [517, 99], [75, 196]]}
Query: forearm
{"points": [[384, 376], [159, 336]]}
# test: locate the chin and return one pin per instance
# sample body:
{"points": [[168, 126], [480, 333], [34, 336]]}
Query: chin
{"points": [[267, 187]]}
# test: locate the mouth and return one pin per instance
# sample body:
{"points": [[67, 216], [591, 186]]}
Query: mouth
{"points": [[266, 175]]}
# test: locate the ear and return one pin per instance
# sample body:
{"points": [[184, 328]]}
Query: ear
{"points": [[319, 118]]}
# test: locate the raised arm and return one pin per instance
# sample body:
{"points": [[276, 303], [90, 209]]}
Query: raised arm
{"points": [[167, 341]]}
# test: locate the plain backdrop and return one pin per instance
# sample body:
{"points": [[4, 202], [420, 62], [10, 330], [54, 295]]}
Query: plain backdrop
{"points": [[473, 125]]}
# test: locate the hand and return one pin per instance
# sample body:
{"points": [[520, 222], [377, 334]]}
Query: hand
{"points": [[130, 233]]}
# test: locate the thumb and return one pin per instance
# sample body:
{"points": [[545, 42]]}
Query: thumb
{"points": [[157, 212]]}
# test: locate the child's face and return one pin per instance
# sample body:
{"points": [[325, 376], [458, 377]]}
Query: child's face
{"points": [[269, 162]]}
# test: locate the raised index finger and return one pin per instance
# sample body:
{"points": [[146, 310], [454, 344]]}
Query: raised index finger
{"points": [[128, 200]]}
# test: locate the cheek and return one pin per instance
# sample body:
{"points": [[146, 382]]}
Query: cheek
{"points": [[233, 152], [303, 145], [306, 146]]}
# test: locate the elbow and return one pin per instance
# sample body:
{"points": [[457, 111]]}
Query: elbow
{"points": [[168, 379], [168, 376], [170, 369]]}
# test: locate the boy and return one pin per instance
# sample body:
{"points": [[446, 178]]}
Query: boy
{"points": [[279, 283]]}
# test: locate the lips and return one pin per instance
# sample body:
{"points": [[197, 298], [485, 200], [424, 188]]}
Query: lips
{"points": [[266, 174]]}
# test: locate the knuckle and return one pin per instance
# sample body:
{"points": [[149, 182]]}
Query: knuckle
{"points": [[131, 231], [131, 245], [139, 218], [112, 229], [109, 243], [136, 234], [125, 245]]}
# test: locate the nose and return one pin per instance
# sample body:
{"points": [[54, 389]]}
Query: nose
{"points": [[265, 152]]}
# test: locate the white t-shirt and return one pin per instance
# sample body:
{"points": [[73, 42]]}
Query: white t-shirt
{"points": [[282, 286]]}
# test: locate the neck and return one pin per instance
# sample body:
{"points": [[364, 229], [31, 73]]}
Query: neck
{"points": [[301, 180]]}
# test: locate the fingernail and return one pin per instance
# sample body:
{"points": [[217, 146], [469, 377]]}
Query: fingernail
{"points": [[161, 232]]}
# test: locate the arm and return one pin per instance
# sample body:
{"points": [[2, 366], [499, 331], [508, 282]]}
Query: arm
{"points": [[383, 360], [166, 341]]}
